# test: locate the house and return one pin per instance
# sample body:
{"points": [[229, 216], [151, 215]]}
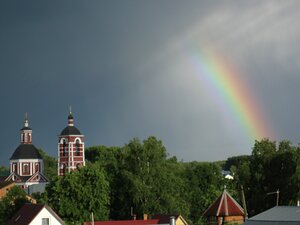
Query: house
{"points": [[37, 214], [224, 210], [124, 222], [156, 219], [5, 186], [165, 219], [279, 215]]}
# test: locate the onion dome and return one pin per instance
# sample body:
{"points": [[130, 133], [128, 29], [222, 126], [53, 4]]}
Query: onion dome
{"points": [[70, 129]]}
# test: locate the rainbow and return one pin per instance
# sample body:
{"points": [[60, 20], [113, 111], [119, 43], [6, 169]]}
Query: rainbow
{"points": [[234, 100]]}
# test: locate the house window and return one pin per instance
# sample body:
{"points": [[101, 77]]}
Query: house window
{"points": [[77, 148], [45, 221]]}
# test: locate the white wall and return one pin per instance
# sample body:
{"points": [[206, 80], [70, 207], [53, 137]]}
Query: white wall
{"points": [[44, 213]]}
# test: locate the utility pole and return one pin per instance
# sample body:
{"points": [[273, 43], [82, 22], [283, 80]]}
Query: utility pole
{"points": [[277, 196]]}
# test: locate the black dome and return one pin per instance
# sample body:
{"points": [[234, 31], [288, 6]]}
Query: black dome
{"points": [[26, 151], [26, 128], [70, 130]]}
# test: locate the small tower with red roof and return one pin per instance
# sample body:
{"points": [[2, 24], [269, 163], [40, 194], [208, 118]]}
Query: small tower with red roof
{"points": [[70, 148], [224, 210]]}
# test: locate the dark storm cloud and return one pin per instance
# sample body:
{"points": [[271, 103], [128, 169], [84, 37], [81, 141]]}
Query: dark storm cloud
{"points": [[123, 68]]}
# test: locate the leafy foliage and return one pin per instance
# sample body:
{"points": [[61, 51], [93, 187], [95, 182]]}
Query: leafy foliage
{"points": [[11, 203], [50, 165], [79, 193]]}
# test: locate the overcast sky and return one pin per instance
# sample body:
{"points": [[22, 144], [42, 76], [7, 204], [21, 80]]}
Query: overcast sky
{"points": [[125, 68]]}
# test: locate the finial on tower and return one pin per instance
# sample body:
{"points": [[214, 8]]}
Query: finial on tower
{"points": [[26, 120], [70, 117]]}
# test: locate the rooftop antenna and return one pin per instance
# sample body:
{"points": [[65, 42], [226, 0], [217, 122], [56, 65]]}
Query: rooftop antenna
{"points": [[277, 196]]}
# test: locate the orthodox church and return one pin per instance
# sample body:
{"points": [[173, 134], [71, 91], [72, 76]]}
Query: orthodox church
{"points": [[26, 163]]}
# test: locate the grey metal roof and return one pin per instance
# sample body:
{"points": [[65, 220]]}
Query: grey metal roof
{"points": [[26, 151], [278, 215]]}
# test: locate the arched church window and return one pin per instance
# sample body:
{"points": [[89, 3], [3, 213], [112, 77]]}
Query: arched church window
{"points": [[64, 148], [64, 168], [77, 148], [26, 168]]}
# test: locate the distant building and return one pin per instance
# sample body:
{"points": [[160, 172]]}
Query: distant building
{"points": [[224, 210], [70, 148], [279, 215], [161, 219], [165, 219], [36, 214], [26, 163]]}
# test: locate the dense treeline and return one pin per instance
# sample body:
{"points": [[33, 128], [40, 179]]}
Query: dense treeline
{"points": [[138, 178], [141, 178], [270, 168]]}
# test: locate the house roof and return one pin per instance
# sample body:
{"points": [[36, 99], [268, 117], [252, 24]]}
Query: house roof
{"points": [[125, 222], [165, 218], [5, 183], [28, 212], [225, 205], [278, 215]]}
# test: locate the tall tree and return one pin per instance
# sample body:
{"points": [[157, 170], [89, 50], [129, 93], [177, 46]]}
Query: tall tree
{"points": [[75, 196]]}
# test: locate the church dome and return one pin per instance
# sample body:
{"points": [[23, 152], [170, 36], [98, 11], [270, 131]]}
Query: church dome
{"points": [[26, 151], [70, 130]]}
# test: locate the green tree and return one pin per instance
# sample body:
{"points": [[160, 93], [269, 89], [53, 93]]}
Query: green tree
{"points": [[50, 165], [4, 171], [153, 183], [11, 203], [79, 193], [205, 183]]}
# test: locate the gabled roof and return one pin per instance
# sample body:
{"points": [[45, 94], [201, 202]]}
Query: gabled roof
{"points": [[124, 222], [225, 205], [165, 218], [278, 215], [36, 177], [28, 212]]}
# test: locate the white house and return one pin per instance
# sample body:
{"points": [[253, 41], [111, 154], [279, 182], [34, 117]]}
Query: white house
{"points": [[35, 214]]}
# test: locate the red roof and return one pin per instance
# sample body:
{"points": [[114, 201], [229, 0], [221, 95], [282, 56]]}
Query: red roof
{"points": [[225, 205], [124, 222], [164, 218]]}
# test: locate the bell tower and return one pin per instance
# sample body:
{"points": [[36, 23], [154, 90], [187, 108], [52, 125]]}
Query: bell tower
{"points": [[70, 148]]}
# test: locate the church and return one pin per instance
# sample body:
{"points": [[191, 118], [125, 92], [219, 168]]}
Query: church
{"points": [[27, 165]]}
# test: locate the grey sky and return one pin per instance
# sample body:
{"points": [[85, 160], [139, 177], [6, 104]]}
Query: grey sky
{"points": [[124, 68]]}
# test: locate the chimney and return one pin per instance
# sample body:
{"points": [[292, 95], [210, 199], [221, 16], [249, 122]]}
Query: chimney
{"points": [[145, 216], [172, 220]]}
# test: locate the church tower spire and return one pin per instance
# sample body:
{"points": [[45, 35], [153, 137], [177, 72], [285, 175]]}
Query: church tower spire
{"points": [[26, 132]]}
